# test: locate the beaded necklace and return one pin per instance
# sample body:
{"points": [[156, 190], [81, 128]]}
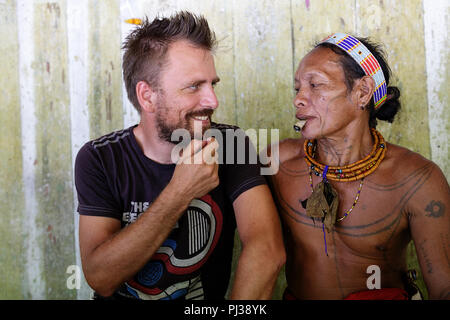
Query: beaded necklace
{"points": [[358, 193], [350, 172], [324, 201]]}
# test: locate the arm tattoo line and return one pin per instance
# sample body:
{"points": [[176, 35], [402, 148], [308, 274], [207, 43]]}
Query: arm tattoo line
{"points": [[425, 256]]}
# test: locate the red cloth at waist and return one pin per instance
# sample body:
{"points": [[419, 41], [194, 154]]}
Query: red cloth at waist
{"points": [[379, 294], [375, 294], [287, 295]]}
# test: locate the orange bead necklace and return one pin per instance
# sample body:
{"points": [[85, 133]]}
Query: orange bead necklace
{"points": [[350, 172]]}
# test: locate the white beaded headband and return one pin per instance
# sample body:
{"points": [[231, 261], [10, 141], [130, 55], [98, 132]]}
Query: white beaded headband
{"points": [[365, 59]]}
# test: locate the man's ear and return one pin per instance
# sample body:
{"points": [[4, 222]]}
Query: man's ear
{"points": [[364, 89], [146, 96]]}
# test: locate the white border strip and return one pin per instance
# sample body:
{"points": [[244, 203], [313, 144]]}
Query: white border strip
{"points": [[77, 36], [34, 284], [436, 49]]}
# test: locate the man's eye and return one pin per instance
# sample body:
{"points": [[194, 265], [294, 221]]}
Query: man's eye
{"points": [[297, 90], [193, 87]]}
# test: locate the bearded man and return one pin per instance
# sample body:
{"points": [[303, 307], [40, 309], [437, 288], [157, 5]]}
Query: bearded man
{"points": [[152, 227], [350, 201]]}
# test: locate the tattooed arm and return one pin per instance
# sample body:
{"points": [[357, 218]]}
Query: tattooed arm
{"points": [[429, 221]]}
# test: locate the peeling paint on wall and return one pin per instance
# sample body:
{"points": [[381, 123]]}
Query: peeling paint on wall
{"points": [[437, 45], [263, 61], [12, 257], [77, 36], [104, 65], [33, 285], [406, 56], [54, 191]]}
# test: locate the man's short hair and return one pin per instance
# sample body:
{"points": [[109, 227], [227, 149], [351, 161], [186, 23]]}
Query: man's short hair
{"points": [[145, 48]]}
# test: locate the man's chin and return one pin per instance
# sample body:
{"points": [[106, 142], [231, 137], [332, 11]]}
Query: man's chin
{"points": [[199, 128], [193, 134], [308, 135]]}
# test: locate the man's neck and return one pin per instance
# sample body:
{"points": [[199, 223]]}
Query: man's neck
{"points": [[152, 146], [345, 147]]}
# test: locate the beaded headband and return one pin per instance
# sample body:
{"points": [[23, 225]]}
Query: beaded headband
{"points": [[365, 59]]}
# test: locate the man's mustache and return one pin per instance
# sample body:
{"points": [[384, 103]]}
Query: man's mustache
{"points": [[204, 112]]}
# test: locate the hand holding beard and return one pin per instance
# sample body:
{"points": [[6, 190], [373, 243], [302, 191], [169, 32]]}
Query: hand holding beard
{"points": [[196, 172]]}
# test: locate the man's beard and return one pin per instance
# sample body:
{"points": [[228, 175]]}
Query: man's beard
{"points": [[165, 129]]}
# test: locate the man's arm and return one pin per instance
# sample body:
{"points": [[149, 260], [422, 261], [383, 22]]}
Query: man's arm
{"points": [[430, 230], [111, 255], [263, 252]]}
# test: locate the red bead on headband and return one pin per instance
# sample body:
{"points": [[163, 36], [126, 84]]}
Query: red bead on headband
{"points": [[365, 59]]}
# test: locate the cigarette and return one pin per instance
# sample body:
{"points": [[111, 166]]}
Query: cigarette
{"points": [[299, 125]]}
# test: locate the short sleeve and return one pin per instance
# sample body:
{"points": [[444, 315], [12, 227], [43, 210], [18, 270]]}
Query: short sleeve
{"points": [[243, 169], [95, 196]]}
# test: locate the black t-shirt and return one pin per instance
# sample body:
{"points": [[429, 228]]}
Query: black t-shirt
{"points": [[115, 179]]}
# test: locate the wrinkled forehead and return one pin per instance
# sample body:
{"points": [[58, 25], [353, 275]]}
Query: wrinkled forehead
{"points": [[319, 60]]}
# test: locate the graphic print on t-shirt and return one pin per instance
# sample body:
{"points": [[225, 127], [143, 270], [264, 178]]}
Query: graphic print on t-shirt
{"points": [[136, 208], [174, 268]]}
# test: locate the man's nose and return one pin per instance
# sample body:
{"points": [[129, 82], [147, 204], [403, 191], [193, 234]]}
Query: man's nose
{"points": [[300, 99], [209, 98]]}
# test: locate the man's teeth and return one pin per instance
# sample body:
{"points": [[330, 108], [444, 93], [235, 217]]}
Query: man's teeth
{"points": [[202, 118]]}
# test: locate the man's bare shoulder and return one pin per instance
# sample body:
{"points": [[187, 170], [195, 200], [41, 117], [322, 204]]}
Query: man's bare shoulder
{"points": [[290, 149], [402, 159], [284, 150], [290, 158], [401, 164]]}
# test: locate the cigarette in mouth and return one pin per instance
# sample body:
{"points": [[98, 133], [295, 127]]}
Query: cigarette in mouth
{"points": [[299, 124]]}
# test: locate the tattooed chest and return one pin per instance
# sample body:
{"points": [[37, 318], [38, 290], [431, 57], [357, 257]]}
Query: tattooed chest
{"points": [[373, 229]]}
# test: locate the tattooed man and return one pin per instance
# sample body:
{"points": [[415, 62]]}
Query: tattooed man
{"points": [[350, 201]]}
